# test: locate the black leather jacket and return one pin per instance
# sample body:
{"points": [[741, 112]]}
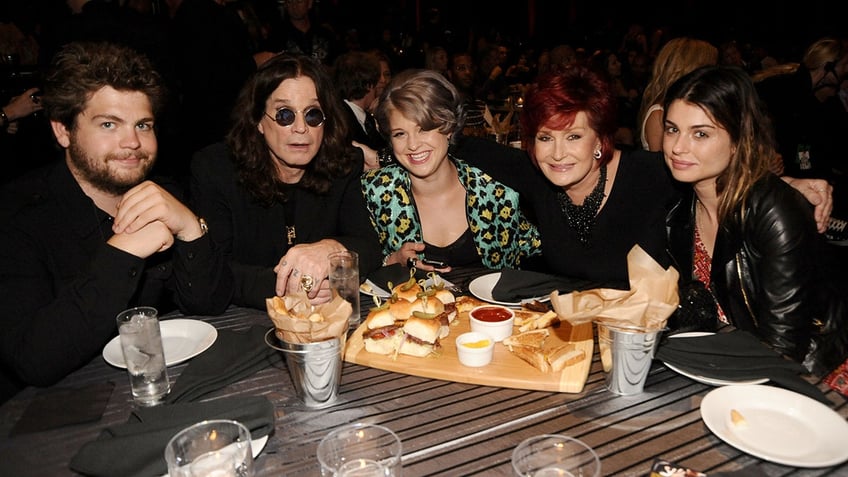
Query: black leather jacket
{"points": [[764, 274]]}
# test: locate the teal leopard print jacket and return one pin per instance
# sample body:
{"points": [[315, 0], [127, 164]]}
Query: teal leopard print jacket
{"points": [[502, 234]]}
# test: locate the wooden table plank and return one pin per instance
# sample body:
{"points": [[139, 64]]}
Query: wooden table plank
{"points": [[447, 428]]}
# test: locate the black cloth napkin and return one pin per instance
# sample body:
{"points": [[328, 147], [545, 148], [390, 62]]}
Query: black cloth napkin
{"points": [[395, 273], [137, 447], [64, 407], [233, 357], [735, 356], [516, 285]]}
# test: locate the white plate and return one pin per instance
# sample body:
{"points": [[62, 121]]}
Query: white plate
{"points": [[482, 287], [382, 293], [782, 426], [182, 339], [256, 446], [705, 379]]}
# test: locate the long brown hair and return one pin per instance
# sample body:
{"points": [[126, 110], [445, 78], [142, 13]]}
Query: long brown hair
{"points": [[255, 164], [727, 95]]}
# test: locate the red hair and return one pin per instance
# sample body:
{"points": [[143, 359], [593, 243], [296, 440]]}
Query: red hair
{"points": [[555, 98]]}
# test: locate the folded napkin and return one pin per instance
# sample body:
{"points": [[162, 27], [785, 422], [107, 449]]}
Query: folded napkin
{"points": [[395, 273], [137, 447], [517, 285], [735, 356], [64, 407], [233, 356]]}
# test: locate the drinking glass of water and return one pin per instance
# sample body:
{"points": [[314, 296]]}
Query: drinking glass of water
{"points": [[550, 455], [214, 448], [141, 344], [344, 280]]}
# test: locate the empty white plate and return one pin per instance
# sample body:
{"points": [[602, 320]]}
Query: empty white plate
{"points": [[182, 339], [780, 426]]}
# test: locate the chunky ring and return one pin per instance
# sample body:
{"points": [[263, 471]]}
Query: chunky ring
{"points": [[307, 282], [411, 262]]}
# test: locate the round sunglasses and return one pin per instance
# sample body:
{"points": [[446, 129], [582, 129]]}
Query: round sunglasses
{"points": [[313, 117]]}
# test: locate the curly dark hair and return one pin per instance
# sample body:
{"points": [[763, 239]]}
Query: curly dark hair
{"points": [[80, 69], [257, 172]]}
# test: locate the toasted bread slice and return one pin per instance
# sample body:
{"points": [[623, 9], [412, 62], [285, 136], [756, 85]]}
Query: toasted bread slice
{"points": [[564, 356], [532, 355], [466, 303], [526, 316], [548, 319], [534, 338]]}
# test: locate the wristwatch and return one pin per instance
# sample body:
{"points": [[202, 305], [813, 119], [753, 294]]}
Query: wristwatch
{"points": [[204, 228]]}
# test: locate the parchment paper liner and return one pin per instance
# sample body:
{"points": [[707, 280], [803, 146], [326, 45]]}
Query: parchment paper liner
{"points": [[297, 321], [652, 298]]}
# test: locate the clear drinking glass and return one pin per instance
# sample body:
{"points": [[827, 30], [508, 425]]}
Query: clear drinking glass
{"points": [[550, 455], [360, 450], [216, 448], [344, 280], [141, 345]]}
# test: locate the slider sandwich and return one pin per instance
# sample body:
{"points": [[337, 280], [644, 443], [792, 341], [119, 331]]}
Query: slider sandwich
{"points": [[421, 337], [407, 290], [413, 335], [428, 306], [383, 334]]}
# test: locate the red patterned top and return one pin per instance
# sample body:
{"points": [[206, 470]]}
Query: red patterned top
{"points": [[703, 264]]}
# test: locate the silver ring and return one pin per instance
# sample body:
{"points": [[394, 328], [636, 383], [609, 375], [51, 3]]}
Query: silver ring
{"points": [[411, 262], [284, 263], [307, 282], [295, 272]]}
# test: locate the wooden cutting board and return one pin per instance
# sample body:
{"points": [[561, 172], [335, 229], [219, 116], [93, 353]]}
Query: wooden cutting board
{"points": [[506, 370]]}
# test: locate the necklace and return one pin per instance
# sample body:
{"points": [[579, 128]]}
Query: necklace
{"points": [[581, 218], [289, 214]]}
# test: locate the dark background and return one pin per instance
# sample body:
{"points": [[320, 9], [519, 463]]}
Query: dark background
{"points": [[786, 27]]}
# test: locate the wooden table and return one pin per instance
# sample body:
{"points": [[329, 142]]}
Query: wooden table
{"points": [[447, 428]]}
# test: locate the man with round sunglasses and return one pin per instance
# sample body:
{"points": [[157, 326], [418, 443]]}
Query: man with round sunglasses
{"points": [[285, 117], [282, 192]]}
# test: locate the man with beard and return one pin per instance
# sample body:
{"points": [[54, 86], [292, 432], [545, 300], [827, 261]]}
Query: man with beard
{"points": [[89, 236]]}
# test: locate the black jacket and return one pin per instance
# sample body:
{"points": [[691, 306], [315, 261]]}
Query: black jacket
{"points": [[61, 284], [765, 274], [253, 236]]}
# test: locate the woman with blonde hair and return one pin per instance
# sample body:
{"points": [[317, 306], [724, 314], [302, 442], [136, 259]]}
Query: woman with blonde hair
{"points": [[431, 204], [678, 57]]}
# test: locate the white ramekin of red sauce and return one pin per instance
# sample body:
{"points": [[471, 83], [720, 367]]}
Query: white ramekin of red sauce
{"points": [[494, 320]]}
